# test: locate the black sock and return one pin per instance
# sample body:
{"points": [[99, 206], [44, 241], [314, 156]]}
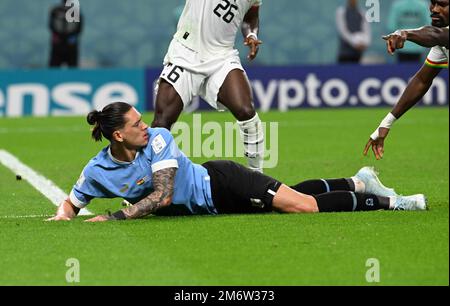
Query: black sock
{"points": [[322, 186], [350, 201]]}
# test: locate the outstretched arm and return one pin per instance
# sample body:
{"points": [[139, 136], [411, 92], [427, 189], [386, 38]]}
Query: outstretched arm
{"points": [[427, 36], [416, 89], [250, 30], [163, 184]]}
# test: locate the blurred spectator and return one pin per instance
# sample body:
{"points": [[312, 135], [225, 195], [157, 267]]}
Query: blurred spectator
{"points": [[354, 32], [65, 37], [408, 14]]}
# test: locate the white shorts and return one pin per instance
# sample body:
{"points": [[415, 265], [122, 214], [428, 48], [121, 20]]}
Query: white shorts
{"points": [[192, 77]]}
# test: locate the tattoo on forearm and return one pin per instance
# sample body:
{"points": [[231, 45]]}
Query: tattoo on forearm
{"points": [[163, 184]]}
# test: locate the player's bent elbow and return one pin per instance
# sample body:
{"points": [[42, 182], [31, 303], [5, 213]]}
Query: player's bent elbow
{"points": [[166, 201]]}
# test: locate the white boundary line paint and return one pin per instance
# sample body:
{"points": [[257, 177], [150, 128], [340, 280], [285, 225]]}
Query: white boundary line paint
{"points": [[41, 183], [26, 217]]}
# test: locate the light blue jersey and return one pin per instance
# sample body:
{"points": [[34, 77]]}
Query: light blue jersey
{"points": [[106, 177]]}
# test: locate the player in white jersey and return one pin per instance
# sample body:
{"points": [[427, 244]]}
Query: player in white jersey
{"points": [[435, 37], [202, 61]]}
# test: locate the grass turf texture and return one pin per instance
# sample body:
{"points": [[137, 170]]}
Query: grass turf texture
{"points": [[272, 249]]}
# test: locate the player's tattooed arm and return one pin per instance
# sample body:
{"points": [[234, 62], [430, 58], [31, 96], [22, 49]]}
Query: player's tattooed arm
{"points": [[163, 184]]}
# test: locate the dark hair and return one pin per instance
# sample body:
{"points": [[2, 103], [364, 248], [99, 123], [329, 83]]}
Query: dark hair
{"points": [[110, 119]]}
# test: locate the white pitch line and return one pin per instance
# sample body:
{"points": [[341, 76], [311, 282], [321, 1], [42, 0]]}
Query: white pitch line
{"points": [[38, 181], [26, 217]]}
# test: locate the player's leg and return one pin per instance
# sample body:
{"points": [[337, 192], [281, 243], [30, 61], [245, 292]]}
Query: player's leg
{"points": [[361, 192], [233, 186], [168, 106], [174, 90], [319, 186], [364, 181], [291, 201], [235, 93], [287, 200]]}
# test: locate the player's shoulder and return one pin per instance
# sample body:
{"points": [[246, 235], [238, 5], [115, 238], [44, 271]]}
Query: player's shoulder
{"points": [[101, 160], [158, 133], [159, 139]]}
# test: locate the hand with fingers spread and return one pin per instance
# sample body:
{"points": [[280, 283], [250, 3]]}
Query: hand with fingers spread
{"points": [[376, 141], [253, 43], [395, 40]]}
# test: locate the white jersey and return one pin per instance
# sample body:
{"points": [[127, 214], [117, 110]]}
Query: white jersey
{"points": [[438, 57], [209, 27]]}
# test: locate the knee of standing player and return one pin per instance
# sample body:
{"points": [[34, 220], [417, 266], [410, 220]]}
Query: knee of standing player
{"points": [[161, 121], [246, 112]]}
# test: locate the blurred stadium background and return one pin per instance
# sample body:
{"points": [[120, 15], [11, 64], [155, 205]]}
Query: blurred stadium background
{"points": [[123, 44], [136, 33]]}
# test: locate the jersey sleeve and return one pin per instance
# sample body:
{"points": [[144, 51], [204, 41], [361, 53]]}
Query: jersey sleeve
{"points": [[162, 150], [437, 58], [84, 190]]}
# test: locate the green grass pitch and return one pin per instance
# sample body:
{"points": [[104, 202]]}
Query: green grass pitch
{"points": [[274, 249]]}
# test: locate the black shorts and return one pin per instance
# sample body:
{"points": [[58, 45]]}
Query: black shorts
{"points": [[233, 186]]}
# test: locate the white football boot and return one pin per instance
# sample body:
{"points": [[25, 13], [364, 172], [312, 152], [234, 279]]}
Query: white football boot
{"points": [[372, 183], [412, 202]]}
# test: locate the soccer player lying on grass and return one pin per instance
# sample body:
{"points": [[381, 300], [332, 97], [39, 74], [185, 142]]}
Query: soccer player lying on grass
{"points": [[145, 167], [435, 36]]}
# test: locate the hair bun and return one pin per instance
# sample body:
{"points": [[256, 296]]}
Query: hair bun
{"points": [[93, 117]]}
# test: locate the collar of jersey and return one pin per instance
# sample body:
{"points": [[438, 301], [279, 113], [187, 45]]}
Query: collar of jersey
{"points": [[119, 161]]}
